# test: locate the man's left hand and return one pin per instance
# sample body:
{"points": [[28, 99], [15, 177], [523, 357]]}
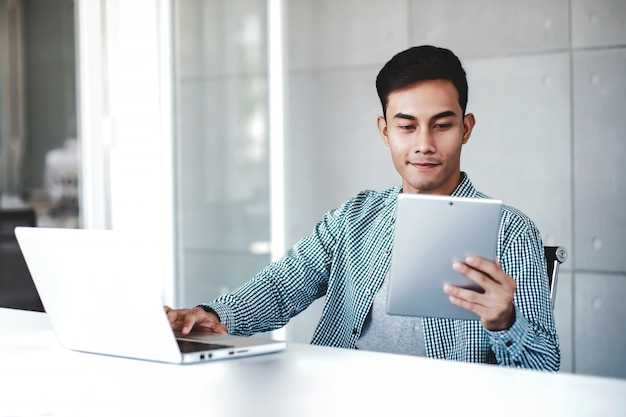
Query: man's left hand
{"points": [[495, 305]]}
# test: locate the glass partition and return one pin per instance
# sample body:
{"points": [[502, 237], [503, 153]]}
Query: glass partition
{"points": [[221, 145], [38, 148]]}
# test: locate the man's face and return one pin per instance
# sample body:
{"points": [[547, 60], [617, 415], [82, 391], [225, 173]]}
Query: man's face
{"points": [[425, 130]]}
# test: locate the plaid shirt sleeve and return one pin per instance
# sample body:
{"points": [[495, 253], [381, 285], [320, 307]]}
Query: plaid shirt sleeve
{"points": [[532, 340]]}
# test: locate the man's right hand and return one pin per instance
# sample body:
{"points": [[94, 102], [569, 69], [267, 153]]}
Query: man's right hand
{"points": [[188, 319]]}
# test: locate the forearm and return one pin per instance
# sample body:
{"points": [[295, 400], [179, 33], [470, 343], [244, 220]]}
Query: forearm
{"points": [[255, 307], [274, 295]]}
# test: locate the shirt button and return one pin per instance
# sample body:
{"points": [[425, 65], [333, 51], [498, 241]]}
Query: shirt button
{"points": [[355, 331], [508, 343], [517, 363], [367, 292]]}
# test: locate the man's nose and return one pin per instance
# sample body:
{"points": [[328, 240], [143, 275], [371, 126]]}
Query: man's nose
{"points": [[423, 142]]}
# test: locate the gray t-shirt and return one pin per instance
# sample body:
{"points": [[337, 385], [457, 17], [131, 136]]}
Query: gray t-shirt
{"points": [[383, 332]]}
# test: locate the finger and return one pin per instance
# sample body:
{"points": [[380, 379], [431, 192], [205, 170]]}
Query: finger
{"points": [[495, 292], [221, 329], [463, 296], [170, 313], [177, 318], [173, 316], [487, 274], [489, 268], [492, 277], [455, 295], [474, 275], [189, 321], [196, 317], [495, 309], [490, 319], [213, 327]]}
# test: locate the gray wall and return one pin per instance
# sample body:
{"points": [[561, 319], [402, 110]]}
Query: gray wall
{"points": [[547, 89]]}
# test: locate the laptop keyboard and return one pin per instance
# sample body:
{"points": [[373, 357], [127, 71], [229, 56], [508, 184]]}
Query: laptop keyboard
{"points": [[188, 346]]}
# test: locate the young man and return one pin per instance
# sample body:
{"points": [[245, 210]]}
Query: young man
{"points": [[423, 92]]}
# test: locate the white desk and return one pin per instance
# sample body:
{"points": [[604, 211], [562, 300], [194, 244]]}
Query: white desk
{"points": [[40, 378]]}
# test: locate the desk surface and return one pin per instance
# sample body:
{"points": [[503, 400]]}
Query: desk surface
{"points": [[40, 378]]}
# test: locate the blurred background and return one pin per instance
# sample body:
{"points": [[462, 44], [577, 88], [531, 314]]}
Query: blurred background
{"points": [[222, 130]]}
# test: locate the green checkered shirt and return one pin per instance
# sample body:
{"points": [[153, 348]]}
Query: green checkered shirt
{"points": [[346, 259]]}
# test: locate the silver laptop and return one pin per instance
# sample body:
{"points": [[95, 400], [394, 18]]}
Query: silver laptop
{"points": [[102, 292], [431, 232]]}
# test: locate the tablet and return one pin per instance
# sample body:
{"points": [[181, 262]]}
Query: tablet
{"points": [[431, 232]]}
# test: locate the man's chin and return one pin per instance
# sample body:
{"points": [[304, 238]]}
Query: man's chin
{"points": [[423, 187]]}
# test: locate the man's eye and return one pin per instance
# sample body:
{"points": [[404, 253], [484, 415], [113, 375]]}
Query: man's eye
{"points": [[407, 127], [442, 125]]}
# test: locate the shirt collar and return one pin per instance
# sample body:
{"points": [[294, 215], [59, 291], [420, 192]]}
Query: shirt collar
{"points": [[465, 187]]}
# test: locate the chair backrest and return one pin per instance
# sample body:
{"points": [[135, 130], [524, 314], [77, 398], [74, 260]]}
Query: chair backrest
{"points": [[11, 218], [17, 289], [555, 255]]}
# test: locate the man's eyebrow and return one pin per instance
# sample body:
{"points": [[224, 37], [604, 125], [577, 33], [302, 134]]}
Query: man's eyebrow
{"points": [[447, 113], [404, 116]]}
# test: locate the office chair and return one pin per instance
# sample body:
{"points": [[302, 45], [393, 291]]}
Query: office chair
{"points": [[555, 255], [17, 289]]}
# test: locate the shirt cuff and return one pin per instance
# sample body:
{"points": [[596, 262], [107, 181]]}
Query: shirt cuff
{"points": [[222, 311], [510, 343]]}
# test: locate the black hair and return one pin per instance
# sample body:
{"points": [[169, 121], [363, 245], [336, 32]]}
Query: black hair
{"points": [[421, 63]]}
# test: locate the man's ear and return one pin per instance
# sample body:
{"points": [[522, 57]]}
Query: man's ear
{"points": [[468, 125], [382, 129]]}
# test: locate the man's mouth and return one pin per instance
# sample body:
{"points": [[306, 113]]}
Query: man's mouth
{"points": [[424, 164]]}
